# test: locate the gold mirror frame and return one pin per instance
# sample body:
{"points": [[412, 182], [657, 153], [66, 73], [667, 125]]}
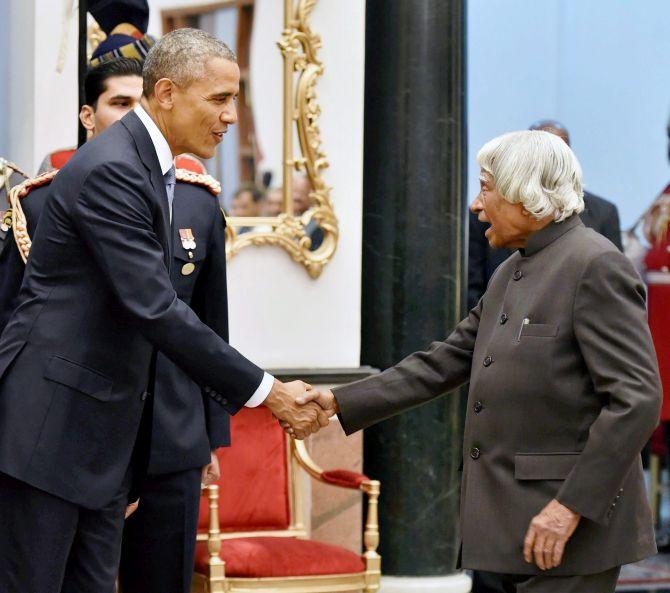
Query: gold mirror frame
{"points": [[299, 46]]}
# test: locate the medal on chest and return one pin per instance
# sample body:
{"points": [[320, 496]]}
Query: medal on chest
{"points": [[188, 243]]}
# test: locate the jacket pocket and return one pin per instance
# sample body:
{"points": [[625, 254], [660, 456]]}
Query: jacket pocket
{"points": [[539, 330], [544, 466], [79, 378]]}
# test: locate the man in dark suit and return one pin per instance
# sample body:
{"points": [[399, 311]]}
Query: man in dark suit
{"points": [[598, 214], [564, 386], [159, 540], [77, 356]]}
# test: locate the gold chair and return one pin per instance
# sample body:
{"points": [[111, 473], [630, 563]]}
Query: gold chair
{"points": [[251, 534]]}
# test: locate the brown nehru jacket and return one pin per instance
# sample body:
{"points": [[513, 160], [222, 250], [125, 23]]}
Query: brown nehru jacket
{"points": [[564, 393]]}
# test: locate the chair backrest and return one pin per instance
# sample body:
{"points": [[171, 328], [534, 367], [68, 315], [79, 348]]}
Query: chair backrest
{"points": [[254, 489]]}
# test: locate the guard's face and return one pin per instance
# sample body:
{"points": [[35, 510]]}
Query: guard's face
{"points": [[203, 110], [122, 94], [510, 226]]}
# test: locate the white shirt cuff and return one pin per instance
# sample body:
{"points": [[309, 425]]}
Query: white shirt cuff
{"points": [[262, 392]]}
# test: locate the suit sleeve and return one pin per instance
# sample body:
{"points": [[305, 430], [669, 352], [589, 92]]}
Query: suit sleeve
{"points": [[613, 335], [11, 278], [417, 379], [210, 302], [477, 246], [115, 219]]}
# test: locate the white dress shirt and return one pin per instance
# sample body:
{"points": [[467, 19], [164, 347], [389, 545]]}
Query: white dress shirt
{"points": [[166, 161]]}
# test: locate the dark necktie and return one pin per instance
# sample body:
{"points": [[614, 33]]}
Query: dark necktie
{"points": [[170, 180]]}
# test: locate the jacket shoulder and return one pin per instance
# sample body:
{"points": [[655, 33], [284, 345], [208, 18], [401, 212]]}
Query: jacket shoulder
{"points": [[596, 203], [199, 179]]}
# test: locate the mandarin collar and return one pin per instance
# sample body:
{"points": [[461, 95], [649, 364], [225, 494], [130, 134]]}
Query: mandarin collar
{"points": [[539, 240]]}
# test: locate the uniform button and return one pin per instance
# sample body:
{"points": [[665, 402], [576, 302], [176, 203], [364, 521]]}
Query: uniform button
{"points": [[207, 388], [219, 398], [224, 400], [517, 275], [503, 319], [478, 407], [144, 395], [488, 361], [475, 453]]}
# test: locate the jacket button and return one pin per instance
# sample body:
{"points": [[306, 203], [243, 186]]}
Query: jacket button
{"points": [[517, 275], [144, 395], [475, 453], [488, 361], [207, 389], [218, 398], [503, 319], [478, 407]]}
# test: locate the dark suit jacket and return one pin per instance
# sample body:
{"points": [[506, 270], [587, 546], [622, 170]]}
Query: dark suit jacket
{"points": [[559, 407], [95, 304], [599, 214], [183, 429]]}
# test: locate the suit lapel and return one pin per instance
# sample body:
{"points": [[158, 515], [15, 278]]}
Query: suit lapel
{"points": [[149, 158]]}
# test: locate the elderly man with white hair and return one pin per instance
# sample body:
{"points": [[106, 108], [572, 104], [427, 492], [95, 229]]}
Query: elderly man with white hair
{"points": [[564, 387]]}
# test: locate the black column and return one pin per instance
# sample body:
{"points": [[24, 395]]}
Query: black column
{"points": [[413, 263]]}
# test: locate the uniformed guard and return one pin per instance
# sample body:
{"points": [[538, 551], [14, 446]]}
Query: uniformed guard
{"points": [[124, 23], [10, 175], [157, 550]]}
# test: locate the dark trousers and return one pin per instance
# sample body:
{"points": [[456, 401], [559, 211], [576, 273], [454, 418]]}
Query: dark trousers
{"points": [[493, 582], [50, 545], [159, 538]]}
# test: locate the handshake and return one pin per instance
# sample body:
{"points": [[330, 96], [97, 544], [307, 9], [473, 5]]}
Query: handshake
{"points": [[300, 409]]}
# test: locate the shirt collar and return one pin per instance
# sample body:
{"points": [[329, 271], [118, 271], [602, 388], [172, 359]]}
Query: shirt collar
{"points": [[549, 234], [163, 151]]}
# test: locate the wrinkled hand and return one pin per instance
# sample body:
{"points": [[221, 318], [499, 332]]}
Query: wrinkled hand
{"points": [[132, 507], [211, 472], [548, 533], [303, 420], [325, 399]]}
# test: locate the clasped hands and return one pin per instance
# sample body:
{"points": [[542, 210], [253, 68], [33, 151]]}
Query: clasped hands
{"points": [[300, 409]]}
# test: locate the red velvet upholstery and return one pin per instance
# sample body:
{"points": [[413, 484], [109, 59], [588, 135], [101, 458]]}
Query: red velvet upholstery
{"points": [[253, 490], [249, 557], [344, 478]]}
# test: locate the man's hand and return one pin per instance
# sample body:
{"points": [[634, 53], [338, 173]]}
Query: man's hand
{"points": [[325, 399], [548, 533], [211, 472], [132, 507], [303, 420]]}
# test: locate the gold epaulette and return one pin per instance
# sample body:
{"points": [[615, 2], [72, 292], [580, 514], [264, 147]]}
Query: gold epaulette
{"points": [[201, 179], [656, 221], [19, 223], [14, 167], [6, 223]]}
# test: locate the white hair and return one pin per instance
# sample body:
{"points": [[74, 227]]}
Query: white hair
{"points": [[537, 170], [181, 56]]}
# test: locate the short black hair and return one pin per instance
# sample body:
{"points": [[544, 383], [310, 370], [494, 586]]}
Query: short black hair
{"points": [[256, 194], [95, 82]]}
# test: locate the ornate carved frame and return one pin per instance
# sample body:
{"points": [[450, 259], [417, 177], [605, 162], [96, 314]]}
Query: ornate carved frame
{"points": [[299, 46]]}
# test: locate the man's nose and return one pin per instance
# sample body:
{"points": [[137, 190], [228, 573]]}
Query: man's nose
{"points": [[229, 116], [476, 206]]}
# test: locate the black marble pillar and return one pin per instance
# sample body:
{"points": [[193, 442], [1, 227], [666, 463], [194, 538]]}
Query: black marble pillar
{"points": [[413, 264]]}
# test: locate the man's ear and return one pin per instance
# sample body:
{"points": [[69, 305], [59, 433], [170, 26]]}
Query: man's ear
{"points": [[164, 93], [87, 117]]}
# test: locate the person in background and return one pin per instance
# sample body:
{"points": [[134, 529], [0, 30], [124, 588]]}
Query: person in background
{"points": [[599, 214], [246, 201], [273, 202], [301, 200]]}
